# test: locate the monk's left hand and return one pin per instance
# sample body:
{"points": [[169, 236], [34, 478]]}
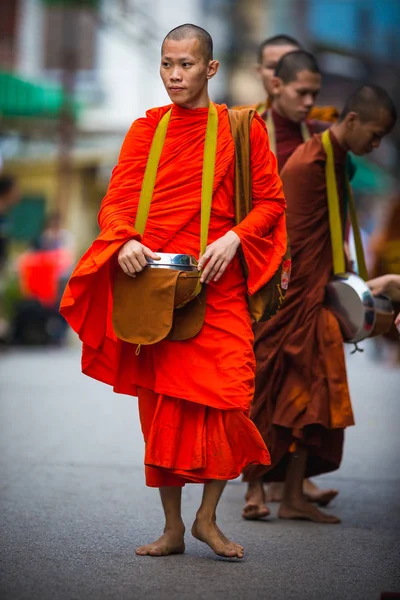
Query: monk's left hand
{"points": [[217, 257], [397, 323]]}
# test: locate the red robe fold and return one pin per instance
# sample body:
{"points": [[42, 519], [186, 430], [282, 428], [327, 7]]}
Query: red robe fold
{"points": [[181, 384], [301, 384]]}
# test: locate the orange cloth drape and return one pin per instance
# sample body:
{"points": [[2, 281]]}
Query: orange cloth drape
{"points": [[216, 368], [301, 384]]}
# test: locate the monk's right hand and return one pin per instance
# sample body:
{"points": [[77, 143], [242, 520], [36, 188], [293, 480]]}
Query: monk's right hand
{"points": [[132, 257]]}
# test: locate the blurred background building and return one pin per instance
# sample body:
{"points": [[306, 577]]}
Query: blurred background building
{"points": [[74, 74]]}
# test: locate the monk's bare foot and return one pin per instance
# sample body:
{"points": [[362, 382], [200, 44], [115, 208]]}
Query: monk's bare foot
{"points": [[171, 542], [274, 492], [210, 534], [302, 509], [255, 508], [314, 494]]}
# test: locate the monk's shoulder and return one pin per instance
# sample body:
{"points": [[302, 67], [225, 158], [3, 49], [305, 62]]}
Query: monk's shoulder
{"points": [[308, 155], [141, 132]]}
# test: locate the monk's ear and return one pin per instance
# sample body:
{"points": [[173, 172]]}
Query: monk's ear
{"points": [[276, 85], [212, 68], [351, 119]]}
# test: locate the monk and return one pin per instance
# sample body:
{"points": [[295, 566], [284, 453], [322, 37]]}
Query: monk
{"points": [[194, 395], [270, 52], [302, 404], [293, 88]]}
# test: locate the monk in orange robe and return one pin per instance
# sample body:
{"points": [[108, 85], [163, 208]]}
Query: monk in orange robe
{"points": [[302, 404], [194, 395]]}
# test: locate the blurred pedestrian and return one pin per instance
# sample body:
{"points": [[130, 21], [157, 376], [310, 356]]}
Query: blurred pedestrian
{"points": [[302, 403], [194, 395], [385, 249], [9, 197]]}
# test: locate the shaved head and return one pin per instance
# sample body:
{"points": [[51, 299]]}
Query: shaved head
{"points": [[189, 31], [367, 102], [277, 40], [295, 62]]}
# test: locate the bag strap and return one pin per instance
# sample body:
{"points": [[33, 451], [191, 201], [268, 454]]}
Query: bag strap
{"points": [[335, 222], [305, 132], [150, 174]]}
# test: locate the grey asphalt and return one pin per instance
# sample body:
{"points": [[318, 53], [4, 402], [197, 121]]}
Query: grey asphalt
{"points": [[74, 505]]}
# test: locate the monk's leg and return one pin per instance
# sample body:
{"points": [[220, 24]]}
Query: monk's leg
{"points": [[314, 494], [255, 507], [311, 491], [172, 540], [294, 503], [205, 527]]}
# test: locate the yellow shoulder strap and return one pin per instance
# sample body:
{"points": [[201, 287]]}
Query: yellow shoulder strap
{"points": [[335, 221], [210, 149], [305, 132], [271, 132], [150, 174]]}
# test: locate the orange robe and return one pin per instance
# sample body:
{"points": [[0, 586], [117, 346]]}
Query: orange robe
{"points": [[301, 384], [194, 395]]}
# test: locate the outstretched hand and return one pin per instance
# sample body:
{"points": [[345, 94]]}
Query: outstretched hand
{"points": [[218, 256], [132, 257]]}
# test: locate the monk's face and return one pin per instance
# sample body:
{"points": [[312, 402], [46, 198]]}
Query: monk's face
{"points": [[270, 57], [185, 72], [364, 136], [294, 100]]}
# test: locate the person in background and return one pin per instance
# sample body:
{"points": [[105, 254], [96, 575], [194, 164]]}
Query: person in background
{"points": [[385, 249], [302, 403], [9, 197]]}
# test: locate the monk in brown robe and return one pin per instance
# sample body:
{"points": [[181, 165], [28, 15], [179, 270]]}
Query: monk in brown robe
{"points": [[302, 403], [195, 394], [293, 88], [269, 54]]}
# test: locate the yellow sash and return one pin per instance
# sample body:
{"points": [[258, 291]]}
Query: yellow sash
{"points": [[149, 179], [335, 221]]}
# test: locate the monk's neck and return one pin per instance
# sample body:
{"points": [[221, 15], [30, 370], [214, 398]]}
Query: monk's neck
{"points": [[283, 117], [202, 101], [339, 132]]}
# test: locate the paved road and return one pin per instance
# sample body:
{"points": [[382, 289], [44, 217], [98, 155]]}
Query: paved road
{"points": [[74, 507]]}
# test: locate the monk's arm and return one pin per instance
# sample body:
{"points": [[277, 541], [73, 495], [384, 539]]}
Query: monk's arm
{"points": [[267, 193], [119, 206]]}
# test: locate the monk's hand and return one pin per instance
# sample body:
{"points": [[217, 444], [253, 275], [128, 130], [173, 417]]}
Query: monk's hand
{"points": [[217, 257], [132, 257], [381, 285]]}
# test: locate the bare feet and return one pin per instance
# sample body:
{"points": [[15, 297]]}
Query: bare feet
{"points": [[302, 509], [210, 534], [171, 542], [311, 491], [274, 492], [314, 494], [255, 508]]}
